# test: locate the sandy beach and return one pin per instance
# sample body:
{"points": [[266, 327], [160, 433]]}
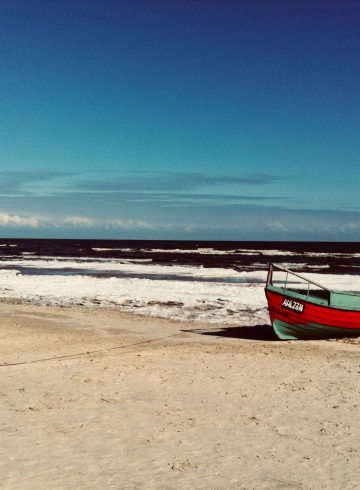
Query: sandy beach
{"points": [[96, 398]]}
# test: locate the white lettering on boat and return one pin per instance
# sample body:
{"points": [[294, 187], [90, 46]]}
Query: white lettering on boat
{"points": [[293, 305]]}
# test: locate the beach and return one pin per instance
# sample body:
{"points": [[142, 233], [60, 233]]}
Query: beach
{"points": [[159, 160], [99, 398]]}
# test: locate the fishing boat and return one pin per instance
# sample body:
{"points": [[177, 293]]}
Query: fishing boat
{"points": [[303, 309]]}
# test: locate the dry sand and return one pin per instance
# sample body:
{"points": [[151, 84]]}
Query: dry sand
{"points": [[150, 403]]}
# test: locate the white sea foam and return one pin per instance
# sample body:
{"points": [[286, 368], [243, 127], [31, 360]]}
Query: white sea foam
{"points": [[185, 300], [200, 251], [211, 300], [340, 255], [127, 266], [238, 251], [104, 249]]}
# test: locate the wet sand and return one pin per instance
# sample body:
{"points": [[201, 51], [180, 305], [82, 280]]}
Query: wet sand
{"points": [[95, 398]]}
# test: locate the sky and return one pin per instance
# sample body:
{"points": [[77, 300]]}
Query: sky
{"points": [[191, 119]]}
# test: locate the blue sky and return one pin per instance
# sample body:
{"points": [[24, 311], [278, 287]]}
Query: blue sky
{"points": [[180, 119]]}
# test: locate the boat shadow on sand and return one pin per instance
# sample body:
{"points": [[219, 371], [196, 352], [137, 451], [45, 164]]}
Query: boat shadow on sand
{"points": [[255, 332]]}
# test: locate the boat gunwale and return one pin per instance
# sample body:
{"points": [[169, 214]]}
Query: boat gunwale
{"points": [[305, 299]]}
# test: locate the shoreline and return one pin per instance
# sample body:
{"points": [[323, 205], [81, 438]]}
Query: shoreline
{"points": [[107, 399]]}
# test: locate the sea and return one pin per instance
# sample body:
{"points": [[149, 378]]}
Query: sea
{"points": [[195, 281]]}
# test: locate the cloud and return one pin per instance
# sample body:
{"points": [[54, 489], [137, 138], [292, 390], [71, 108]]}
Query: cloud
{"points": [[78, 222], [167, 181], [175, 198], [21, 183], [252, 223], [130, 185], [130, 224], [312, 223], [19, 221]]}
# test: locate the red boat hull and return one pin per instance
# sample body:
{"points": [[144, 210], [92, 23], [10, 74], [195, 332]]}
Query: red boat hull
{"points": [[297, 319]]}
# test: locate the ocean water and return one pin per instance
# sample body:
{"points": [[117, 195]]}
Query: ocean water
{"points": [[218, 282]]}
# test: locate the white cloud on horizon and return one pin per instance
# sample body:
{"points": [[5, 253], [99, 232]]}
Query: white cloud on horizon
{"points": [[14, 220], [314, 227], [83, 222], [307, 227]]}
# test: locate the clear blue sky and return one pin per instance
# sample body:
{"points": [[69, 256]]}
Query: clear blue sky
{"points": [[180, 119]]}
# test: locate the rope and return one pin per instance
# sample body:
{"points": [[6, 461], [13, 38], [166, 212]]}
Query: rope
{"points": [[80, 354]]}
